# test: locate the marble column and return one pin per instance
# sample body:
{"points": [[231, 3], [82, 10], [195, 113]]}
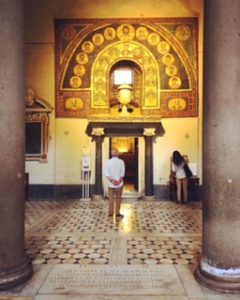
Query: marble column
{"points": [[98, 136], [220, 263], [149, 133], [14, 265]]}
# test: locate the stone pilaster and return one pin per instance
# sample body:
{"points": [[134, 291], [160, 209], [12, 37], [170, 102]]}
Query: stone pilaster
{"points": [[220, 264], [14, 266]]}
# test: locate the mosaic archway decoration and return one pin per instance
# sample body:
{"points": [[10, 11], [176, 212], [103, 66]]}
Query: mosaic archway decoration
{"points": [[125, 51], [164, 49]]}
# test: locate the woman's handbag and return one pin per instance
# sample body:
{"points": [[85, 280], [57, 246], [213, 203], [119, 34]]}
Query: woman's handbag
{"points": [[187, 171]]}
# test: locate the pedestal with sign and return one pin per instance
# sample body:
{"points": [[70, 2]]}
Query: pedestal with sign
{"points": [[85, 177]]}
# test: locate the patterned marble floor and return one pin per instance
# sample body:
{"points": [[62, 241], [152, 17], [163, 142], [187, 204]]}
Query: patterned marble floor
{"points": [[74, 232], [78, 252]]}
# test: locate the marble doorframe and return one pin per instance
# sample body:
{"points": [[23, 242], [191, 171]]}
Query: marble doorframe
{"points": [[99, 130]]}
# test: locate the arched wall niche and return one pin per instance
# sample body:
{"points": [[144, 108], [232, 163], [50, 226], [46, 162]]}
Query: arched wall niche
{"points": [[132, 75], [165, 49], [125, 51]]}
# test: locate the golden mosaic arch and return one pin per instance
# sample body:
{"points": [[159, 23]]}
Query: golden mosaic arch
{"points": [[183, 32], [82, 58], [88, 47], [142, 33], [125, 51], [175, 82], [75, 82], [109, 33], [98, 39], [79, 70], [167, 66], [125, 32]]}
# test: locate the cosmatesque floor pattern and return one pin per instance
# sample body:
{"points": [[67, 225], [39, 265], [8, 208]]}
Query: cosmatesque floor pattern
{"points": [[74, 232], [79, 252]]}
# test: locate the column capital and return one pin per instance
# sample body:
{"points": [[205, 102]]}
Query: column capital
{"points": [[149, 131], [98, 131]]}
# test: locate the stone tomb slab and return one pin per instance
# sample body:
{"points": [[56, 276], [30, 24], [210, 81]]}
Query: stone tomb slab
{"points": [[113, 280]]}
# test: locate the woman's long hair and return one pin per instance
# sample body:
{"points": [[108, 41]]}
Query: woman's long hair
{"points": [[177, 158]]}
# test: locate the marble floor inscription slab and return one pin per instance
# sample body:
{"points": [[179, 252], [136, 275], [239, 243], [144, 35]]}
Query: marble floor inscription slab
{"points": [[113, 279]]}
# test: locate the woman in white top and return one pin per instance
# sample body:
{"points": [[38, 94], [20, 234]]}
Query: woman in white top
{"points": [[178, 163]]}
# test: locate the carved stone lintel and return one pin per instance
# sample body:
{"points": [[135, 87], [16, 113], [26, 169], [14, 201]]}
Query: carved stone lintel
{"points": [[37, 117], [149, 131]]}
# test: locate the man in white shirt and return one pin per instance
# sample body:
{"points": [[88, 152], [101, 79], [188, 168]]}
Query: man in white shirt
{"points": [[114, 172]]}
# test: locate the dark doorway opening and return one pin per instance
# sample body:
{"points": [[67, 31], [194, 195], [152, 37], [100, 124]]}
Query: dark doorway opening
{"points": [[128, 149]]}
